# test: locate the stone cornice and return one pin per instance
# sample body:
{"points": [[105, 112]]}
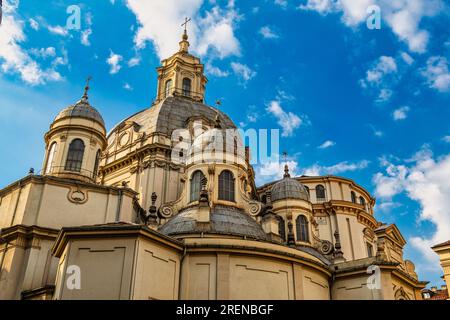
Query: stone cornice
{"points": [[117, 230], [21, 235], [133, 156], [70, 127], [36, 179]]}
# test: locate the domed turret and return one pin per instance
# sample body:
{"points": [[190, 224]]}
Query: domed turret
{"points": [[75, 142], [289, 188], [81, 109]]}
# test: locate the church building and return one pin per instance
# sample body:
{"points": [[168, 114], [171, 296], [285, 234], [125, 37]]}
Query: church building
{"points": [[162, 207]]}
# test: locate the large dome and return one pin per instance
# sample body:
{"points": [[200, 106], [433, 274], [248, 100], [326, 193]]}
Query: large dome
{"points": [[224, 221], [289, 188], [171, 114], [81, 109]]}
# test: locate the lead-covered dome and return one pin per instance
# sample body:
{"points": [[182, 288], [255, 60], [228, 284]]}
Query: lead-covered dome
{"points": [[81, 109], [289, 188], [224, 220]]}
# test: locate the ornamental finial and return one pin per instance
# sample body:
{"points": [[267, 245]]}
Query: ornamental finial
{"points": [[184, 24], [184, 44], [286, 167], [86, 89]]}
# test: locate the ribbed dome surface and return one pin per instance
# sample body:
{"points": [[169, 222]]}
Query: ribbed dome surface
{"points": [[81, 109], [289, 188], [224, 220]]}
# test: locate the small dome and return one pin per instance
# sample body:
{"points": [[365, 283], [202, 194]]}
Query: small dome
{"points": [[224, 220], [289, 188], [81, 109]]}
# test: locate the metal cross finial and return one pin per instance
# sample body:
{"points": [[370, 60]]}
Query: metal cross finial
{"points": [[286, 167], [186, 21], [86, 89]]}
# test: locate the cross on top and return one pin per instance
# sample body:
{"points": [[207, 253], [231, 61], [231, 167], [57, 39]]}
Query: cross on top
{"points": [[86, 89], [186, 21]]}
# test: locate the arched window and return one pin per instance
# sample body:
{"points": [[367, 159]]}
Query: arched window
{"points": [[302, 229], [307, 189], [168, 88], [51, 158], [369, 250], [196, 185], [226, 186], [353, 197], [187, 87], [75, 156], [282, 228], [96, 164], [320, 193], [362, 201]]}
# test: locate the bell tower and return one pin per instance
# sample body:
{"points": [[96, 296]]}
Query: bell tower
{"points": [[182, 74]]}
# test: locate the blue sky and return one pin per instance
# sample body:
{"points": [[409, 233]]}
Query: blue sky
{"points": [[371, 105]]}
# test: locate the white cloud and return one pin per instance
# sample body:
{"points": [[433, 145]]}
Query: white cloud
{"points": [[407, 58], [387, 206], [274, 169], [402, 16], [85, 34], [446, 139], [321, 6], [426, 180], [400, 113], [61, 31], [14, 58], [160, 23], [281, 3], [384, 66], [327, 144], [33, 24], [437, 74], [127, 86], [380, 76], [268, 33], [341, 167], [133, 62], [43, 52], [114, 62], [243, 71], [215, 71], [288, 121]]}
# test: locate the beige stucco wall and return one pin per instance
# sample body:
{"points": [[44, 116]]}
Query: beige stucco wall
{"points": [[26, 265], [141, 268], [51, 204]]}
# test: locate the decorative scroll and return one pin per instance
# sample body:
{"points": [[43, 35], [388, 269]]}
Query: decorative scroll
{"points": [[255, 208], [166, 211], [326, 247]]}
